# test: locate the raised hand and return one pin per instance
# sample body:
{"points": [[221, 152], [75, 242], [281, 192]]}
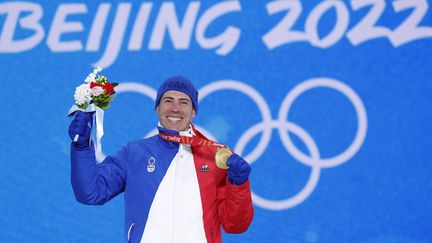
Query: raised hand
{"points": [[239, 169], [81, 125]]}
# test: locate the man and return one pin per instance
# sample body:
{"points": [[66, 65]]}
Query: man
{"points": [[173, 191]]}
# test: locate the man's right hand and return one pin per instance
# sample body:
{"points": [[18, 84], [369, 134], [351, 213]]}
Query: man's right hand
{"points": [[81, 125]]}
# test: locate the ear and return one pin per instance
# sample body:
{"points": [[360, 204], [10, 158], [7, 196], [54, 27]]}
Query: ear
{"points": [[157, 110], [193, 113]]}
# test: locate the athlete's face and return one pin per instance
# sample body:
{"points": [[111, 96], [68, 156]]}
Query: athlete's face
{"points": [[175, 110]]}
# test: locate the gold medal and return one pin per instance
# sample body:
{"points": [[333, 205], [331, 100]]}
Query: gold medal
{"points": [[221, 158]]}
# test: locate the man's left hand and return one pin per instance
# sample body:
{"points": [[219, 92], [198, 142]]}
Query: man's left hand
{"points": [[239, 169]]}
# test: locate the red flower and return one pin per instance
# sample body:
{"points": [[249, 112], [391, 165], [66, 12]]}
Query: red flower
{"points": [[109, 88], [94, 84]]}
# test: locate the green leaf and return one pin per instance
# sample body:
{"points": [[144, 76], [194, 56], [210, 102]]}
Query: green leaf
{"points": [[104, 106], [83, 106], [106, 99]]}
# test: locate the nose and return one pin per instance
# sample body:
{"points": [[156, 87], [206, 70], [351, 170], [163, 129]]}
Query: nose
{"points": [[175, 107]]}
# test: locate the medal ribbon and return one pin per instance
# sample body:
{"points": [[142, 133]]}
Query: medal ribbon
{"points": [[221, 155], [193, 141]]}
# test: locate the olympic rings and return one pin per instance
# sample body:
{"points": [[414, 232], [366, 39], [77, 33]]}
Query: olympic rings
{"points": [[311, 146], [361, 116], [313, 160], [256, 97]]}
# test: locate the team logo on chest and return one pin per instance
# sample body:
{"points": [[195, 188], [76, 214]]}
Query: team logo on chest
{"points": [[151, 164], [205, 168]]}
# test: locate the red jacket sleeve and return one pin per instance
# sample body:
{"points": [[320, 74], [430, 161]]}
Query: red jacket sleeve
{"points": [[235, 209]]}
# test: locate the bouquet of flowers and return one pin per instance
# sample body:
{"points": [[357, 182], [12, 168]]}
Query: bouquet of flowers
{"points": [[94, 96], [96, 88]]}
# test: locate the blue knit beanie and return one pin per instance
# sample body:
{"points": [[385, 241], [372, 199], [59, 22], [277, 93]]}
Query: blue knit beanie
{"points": [[179, 83]]}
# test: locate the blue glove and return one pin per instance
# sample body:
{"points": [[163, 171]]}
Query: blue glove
{"points": [[239, 169], [81, 125]]}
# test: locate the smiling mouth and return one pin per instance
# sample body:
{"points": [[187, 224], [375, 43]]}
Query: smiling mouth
{"points": [[174, 119]]}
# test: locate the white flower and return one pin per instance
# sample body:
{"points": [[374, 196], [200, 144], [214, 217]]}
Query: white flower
{"points": [[82, 93], [90, 78], [96, 91], [96, 70]]}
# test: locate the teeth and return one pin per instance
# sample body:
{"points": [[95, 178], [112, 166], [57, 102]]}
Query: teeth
{"points": [[174, 118]]}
